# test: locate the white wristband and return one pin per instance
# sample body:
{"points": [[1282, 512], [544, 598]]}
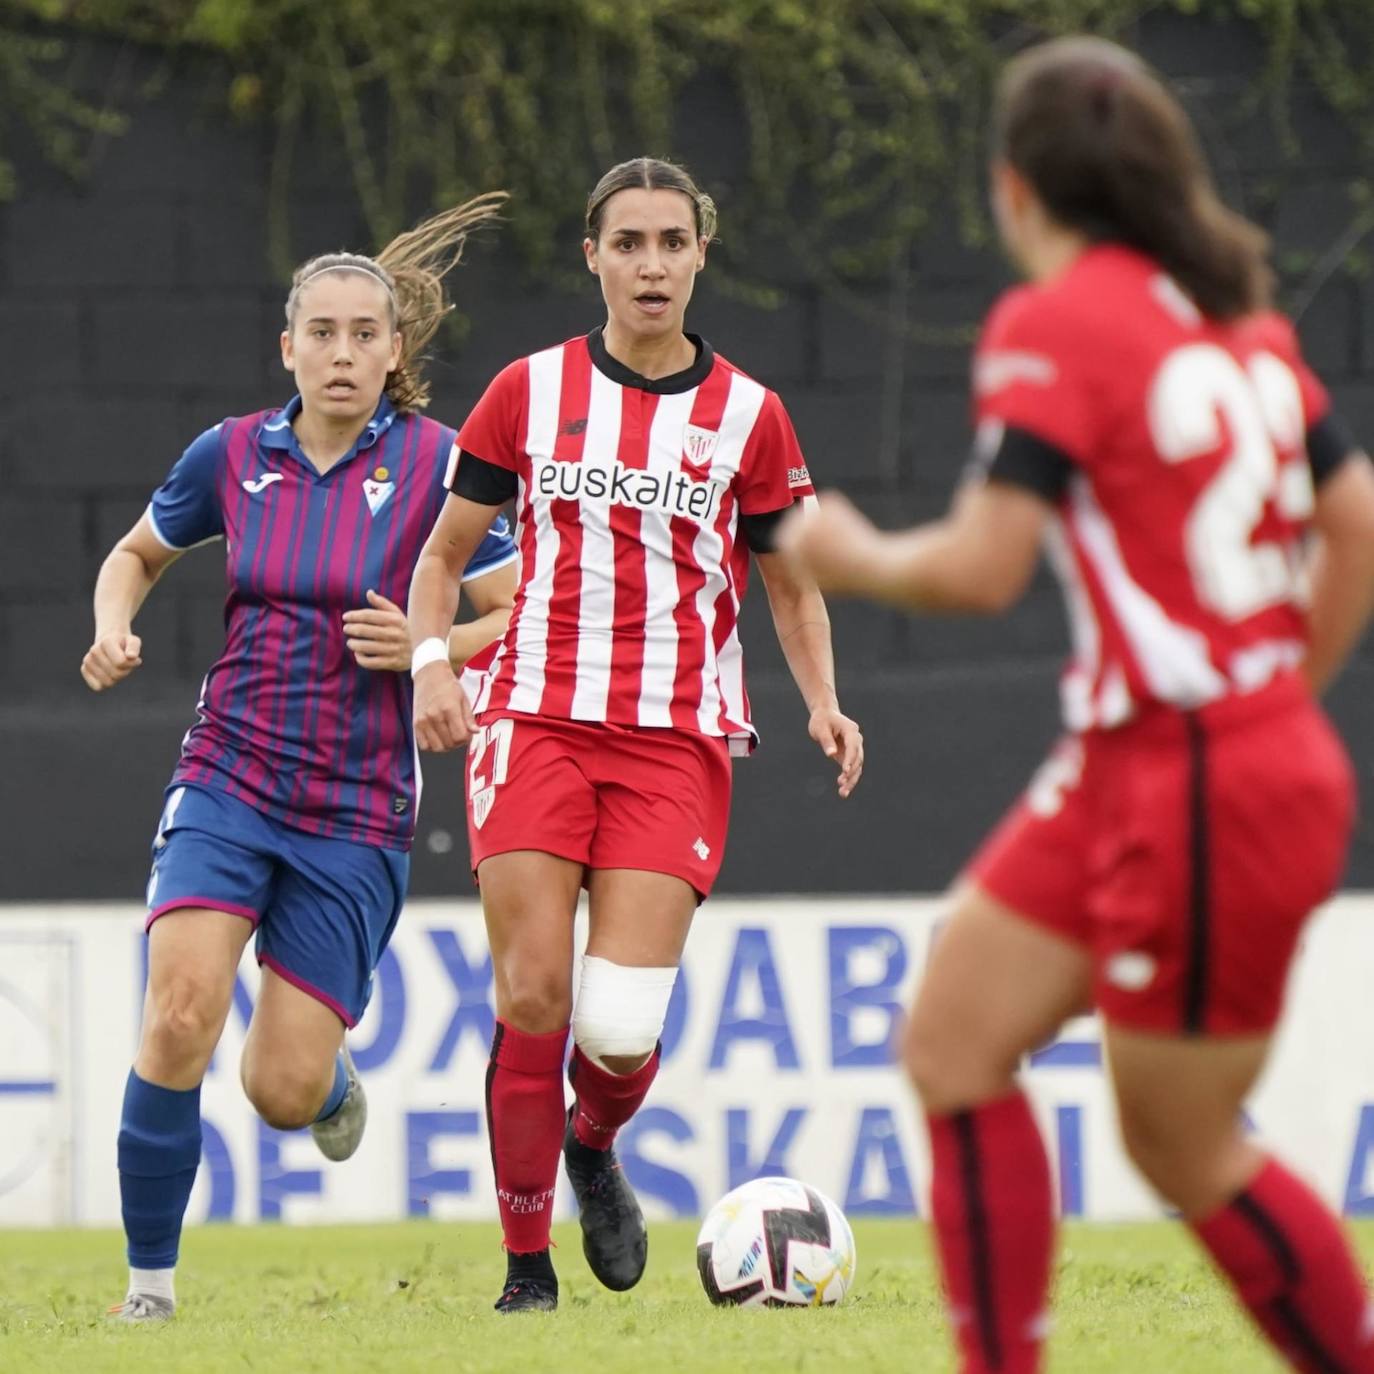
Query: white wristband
{"points": [[427, 651]]}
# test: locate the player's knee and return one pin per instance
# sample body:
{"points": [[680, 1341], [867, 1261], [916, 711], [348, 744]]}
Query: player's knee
{"points": [[620, 1012], [285, 1096], [536, 1001], [1161, 1150], [926, 1066], [951, 1068], [184, 1016]]}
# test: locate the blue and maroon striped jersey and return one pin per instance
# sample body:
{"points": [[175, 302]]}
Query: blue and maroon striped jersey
{"points": [[288, 722]]}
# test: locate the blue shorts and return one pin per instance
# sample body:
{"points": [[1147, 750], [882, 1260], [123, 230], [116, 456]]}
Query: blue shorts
{"points": [[323, 908]]}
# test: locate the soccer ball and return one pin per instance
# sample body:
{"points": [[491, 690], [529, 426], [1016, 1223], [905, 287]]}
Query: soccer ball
{"points": [[775, 1242]]}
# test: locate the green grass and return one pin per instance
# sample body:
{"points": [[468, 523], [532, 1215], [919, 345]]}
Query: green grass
{"points": [[417, 1296]]}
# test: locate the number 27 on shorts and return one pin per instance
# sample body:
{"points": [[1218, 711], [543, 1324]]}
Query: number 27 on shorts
{"points": [[494, 739]]}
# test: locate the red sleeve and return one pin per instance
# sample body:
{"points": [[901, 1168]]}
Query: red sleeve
{"points": [[1031, 372], [772, 471], [1276, 333], [495, 430]]}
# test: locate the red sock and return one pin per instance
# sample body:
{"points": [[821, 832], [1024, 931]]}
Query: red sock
{"points": [[606, 1100], [994, 1226], [525, 1117], [1288, 1259]]}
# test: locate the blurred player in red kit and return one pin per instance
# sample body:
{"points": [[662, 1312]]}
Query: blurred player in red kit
{"points": [[1144, 415], [645, 469]]}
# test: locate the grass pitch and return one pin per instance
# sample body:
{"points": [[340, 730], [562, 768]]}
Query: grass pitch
{"points": [[417, 1297]]}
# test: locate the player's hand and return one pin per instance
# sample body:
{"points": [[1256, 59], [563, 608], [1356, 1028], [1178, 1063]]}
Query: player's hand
{"points": [[840, 739], [443, 714], [834, 541], [378, 635], [111, 659]]}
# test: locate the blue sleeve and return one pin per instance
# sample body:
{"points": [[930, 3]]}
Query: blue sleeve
{"points": [[185, 509], [495, 551]]}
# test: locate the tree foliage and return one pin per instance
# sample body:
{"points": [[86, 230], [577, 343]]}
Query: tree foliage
{"points": [[853, 120]]}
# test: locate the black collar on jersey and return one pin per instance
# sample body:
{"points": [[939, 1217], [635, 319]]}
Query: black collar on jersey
{"points": [[672, 385]]}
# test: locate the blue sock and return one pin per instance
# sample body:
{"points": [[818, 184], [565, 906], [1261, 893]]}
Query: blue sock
{"points": [[159, 1152], [334, 1101]]}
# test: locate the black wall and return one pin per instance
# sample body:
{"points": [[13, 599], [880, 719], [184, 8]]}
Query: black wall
{"points": [[138, 307]]}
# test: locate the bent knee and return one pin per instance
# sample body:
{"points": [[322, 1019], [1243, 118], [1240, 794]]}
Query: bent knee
{"points": [[620, 1012], [286, 1099], [950, 1068], [1196, 1171]]}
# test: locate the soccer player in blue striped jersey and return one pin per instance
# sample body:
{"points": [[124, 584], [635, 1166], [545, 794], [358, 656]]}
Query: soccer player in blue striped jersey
{"points": [[291, 811]]}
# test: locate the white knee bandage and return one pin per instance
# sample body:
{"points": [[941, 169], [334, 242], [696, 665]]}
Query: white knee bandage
{"points": [[619, 1010]]}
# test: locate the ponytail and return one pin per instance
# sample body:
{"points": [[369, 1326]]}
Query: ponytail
{"points": [[412, 268]]}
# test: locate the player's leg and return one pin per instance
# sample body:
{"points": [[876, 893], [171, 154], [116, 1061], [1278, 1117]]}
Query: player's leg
{"points": [[1280, 1246], [293, 1068], [531, 812], [332, 912], [997, 986], [192, 958], [663, 804], [207, 887], [1208, 899], [1009, 965], [529, 900], [638, 925]]}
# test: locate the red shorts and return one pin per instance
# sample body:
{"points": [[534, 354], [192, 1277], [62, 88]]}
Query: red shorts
{"points": [[1185, 851], [606, 796]]}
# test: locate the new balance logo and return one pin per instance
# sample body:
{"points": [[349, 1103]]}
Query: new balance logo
{"points": [[701, 849], [257, 484]]}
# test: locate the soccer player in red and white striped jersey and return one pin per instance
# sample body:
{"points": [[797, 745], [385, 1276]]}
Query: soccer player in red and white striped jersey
{"points": [[645, 470], [1144, 411]]}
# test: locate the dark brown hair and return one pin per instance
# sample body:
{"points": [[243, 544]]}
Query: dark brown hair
{"points": [[1110, 152], [411, 268], [651, 174]]}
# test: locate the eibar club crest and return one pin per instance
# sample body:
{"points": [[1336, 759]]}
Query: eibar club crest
{"points": [[377, 493], [698, 445]]}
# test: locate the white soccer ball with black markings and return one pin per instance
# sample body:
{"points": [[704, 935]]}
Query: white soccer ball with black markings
{"points": [[776, 1242]]}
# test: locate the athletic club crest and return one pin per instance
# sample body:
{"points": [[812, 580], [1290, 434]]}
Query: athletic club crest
{"points": [[699, 445], [377, 493]]}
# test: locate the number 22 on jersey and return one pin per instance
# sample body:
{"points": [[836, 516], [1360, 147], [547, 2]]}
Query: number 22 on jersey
{"points": [[1200, 398]]}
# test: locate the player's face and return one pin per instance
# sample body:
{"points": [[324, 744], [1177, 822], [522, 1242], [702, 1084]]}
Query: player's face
{"points": [[342, 345], [647, 258]]}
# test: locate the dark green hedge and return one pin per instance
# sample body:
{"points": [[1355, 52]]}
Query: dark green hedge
{"points": [[853, 116]]}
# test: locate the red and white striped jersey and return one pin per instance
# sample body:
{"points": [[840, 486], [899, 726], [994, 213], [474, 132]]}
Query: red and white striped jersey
{"points": [[1179, 538], [630, 494]]}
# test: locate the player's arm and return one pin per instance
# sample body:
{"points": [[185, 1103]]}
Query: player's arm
{"points": [[978, 558], [491, 596], [443, 714], [803, 628], [125, 579], [1343, 565]]}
